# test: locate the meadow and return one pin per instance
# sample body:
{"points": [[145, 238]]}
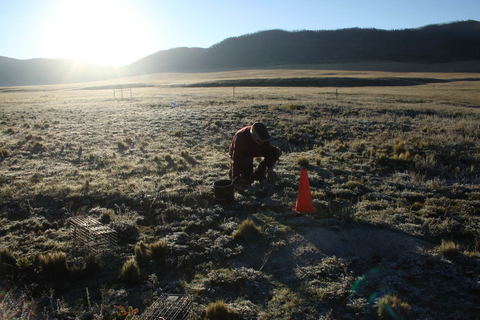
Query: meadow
{"points": [[393, 171]]}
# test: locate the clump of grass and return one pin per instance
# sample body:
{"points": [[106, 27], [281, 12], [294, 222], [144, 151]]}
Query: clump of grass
{"points": [[218, 310], [168, 157], [449, 248], [247, 230], [392, 307], [302, 161], [293, 106], [86, 186], [404, 156], [294, 137], [318, 160], [106, 216], [128, 141], [382, 158], [178, 133], [38, 147], [185, 153], [92, 264], [53, 263], [369, 153], [4, 152], [79, 153], [6, 258], [36, 178], [158, 249], [155, 250], [121, 145], [141, 251], [399, 147], [130, 272]]}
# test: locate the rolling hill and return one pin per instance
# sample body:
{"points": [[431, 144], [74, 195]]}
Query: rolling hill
{"points": [[433, 44]]}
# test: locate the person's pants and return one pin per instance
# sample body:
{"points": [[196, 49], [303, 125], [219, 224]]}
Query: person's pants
{"points": [[247, 172]]}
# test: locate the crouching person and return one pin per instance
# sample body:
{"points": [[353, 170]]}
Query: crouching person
{"points": [[248, 143]]}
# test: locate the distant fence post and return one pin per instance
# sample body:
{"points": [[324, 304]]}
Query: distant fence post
{"points": [[234, 91], [121, 88]]}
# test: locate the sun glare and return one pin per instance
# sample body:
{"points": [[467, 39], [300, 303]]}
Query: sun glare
{"points": [[105, 32]]}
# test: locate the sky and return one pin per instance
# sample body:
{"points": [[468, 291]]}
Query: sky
{"points": [[120, 32]]}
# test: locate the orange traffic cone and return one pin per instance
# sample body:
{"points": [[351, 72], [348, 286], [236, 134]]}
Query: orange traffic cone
{"points": [[304, 198]]}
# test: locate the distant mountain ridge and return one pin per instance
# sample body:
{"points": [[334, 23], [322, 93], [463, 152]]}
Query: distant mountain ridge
{"points": [[441, 43]]}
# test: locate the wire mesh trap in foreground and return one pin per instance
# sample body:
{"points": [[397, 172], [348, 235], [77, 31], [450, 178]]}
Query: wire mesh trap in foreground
{"points": [[169, 307], [92, 234]]}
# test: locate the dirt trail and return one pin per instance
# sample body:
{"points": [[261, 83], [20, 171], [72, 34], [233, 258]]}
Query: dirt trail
{"points": [[311, 246], [355, 242]]}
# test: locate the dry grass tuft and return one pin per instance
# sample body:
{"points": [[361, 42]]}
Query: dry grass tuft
{"points": [[6, 259], [449, 248], [130, 272], [155, 250], [399, 147], [303, 161], [53, 263], [158, 249], [218, 310], [4, 152], [247, 230], [391, 307], [141, 251]]}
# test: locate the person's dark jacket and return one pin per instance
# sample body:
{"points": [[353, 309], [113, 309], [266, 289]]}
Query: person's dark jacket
{"points": [[243, 147]]}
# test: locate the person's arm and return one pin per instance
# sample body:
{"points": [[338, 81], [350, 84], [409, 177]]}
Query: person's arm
{"points": [[236, 151], [268, 154]]}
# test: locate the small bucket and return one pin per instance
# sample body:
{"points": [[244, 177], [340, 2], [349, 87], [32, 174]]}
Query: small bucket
{"points": [[224, 191]]}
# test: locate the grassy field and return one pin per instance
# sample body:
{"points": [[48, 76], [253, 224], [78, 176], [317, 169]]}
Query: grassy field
{"points": [[393, 171]]}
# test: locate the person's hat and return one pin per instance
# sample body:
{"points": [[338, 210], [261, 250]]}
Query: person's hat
{"points": [[259, 131]]}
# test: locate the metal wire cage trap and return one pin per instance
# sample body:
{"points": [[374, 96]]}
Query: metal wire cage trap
{"points": [[170, 307], [92, 234]]}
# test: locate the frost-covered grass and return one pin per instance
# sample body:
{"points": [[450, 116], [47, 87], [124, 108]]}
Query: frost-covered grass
{"points": [[393, 172]]}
